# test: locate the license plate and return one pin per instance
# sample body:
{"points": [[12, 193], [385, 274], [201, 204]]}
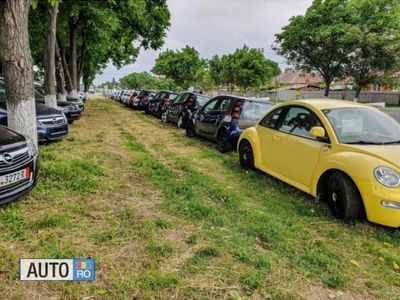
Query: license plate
{"points": [[14, 177]]}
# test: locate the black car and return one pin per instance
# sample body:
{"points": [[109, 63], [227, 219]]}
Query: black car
{"points": [[223, 118], [183, 107], [19, 165], [52, 125], [40, 93], [140, 101], [160, 102], [71, 111]]}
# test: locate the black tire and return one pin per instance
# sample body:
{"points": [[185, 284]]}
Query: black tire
{"points": [[223, 142], [246, 155], [344, 200], [164, 117], [70, 122], [190, 130], [180, 122]]}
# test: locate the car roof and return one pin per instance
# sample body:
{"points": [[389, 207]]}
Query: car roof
{"points": [[322, 104]]}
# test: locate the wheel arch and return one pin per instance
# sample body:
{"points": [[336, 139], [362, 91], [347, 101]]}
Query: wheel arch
{"points": [[251, 136], [321, 186]]}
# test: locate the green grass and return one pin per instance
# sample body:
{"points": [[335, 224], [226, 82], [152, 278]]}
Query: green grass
{"points": [[170, 217]]}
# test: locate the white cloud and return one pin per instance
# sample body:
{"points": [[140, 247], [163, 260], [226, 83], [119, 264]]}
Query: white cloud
{"points": [[219, 27]]}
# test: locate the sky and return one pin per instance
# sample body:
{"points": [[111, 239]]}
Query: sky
{"points": [[218, 27]]}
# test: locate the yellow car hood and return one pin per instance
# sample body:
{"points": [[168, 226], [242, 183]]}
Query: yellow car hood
{"points": [[388, 153]]}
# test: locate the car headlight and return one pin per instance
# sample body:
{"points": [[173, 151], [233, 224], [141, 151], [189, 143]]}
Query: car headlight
{"points": [[31, 146], [387, 177]]}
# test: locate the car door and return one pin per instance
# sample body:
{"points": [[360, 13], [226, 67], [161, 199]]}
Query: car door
{"points": [[175, 108], [271, 141], [217, 114], [301, 151], [203, 116]]}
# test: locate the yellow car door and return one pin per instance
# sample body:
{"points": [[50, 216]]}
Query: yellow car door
{"points": [[302, 151], [271, 143]]}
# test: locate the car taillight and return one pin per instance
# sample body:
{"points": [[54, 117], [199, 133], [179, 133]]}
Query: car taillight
{"points": [[144, 99], [166, 102], [132, 97], [236, 111], [189, 104]]}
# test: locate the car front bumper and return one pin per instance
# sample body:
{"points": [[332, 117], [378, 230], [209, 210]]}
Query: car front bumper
{"points": [[52, 133], [14, 192], [375, 195]]}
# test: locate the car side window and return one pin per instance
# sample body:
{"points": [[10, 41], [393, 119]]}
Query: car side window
{"points": [[223, 104], [181, 98], [299, 121], [210, 105], [271, 120]]}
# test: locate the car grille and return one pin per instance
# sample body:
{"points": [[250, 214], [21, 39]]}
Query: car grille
{"points": [[19, 157], [52, 121]]}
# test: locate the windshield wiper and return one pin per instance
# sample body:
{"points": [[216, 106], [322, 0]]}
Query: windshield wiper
{"points": [[394, 142], [363, 143]]}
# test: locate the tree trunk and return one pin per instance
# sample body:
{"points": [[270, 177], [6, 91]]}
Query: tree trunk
{"points": [[73, 58], [49, 56], [358, 91], [80, 64], [327, 88], [67, 75], [16, 56], [60, 80]]}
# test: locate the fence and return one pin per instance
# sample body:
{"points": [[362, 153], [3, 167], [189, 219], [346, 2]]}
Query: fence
{"points": [[390, 98]]}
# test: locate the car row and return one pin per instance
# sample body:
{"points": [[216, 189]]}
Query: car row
{"points": [[345, 153], [19, 158]]}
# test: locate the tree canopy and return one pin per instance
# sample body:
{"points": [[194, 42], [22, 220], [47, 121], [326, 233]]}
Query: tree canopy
{"points": [[180, 65], [94, 33], [338, 38]]}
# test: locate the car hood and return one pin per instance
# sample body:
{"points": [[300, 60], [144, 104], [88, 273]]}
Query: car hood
{"points": [[44, 110], [59, 102], [388, 153], [8, 137]]}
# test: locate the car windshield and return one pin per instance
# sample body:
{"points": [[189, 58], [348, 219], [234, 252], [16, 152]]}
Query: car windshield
{"points": [[253, 110], [201, 100], [363, 126]]}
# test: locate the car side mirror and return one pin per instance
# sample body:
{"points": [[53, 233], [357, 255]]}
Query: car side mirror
{"points": [[318, 132]]}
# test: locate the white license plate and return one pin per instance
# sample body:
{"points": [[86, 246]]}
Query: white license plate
{"points": [[14, 177]]}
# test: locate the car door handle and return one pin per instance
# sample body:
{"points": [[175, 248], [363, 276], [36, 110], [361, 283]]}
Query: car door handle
{"points": [[276, 137]]}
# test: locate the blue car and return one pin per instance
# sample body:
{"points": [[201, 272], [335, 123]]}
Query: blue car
{"points": [[52, 124], [223, 119]]}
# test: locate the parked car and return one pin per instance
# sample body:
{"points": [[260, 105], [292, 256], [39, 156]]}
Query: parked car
{"points": [[160, 102], [71, 111], [132, 98], [52, 124], [140, 101], [183, 107], [223, 119], [19, 165], [40, 93], [343, 152], [126, 95]]}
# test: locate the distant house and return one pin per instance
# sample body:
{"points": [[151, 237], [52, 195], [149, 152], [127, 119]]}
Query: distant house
{"points": [[297, 79]]}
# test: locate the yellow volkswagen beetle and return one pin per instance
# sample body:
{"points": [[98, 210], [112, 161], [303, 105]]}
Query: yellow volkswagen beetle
{"points": [[344, 152]]}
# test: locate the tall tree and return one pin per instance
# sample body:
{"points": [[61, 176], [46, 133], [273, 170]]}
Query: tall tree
{"points": [[316, 41], [49, 56], [15, 55], [375, 41], [181, 66], [252, 69]]}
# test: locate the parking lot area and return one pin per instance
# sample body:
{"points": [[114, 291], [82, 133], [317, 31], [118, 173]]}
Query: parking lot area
{"points": [[170, 217]]}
